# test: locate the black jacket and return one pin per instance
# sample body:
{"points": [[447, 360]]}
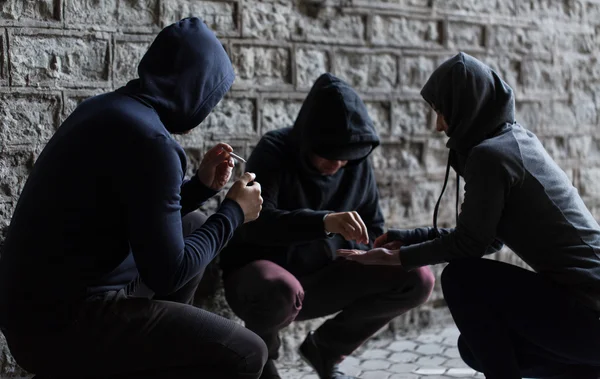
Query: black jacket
{"points": [[290, 229]]}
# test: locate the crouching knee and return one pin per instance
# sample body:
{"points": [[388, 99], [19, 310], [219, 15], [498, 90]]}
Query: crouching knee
{"points": [[424, 281], [252, 352]]}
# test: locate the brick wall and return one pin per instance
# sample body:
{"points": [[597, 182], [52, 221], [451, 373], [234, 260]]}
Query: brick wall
{"points": [[55, 53]]}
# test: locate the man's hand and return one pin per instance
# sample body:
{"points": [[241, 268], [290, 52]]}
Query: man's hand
{"points": [[382, 241], [378, 256], [216, 167], [349, 225], [247, 196]]}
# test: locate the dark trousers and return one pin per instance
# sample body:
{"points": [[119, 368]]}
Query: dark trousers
{"points": [[268, 298], [516, 323], [120, 336]]}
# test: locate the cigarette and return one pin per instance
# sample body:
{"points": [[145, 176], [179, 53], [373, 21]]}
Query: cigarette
{"points": [[237, 157]]}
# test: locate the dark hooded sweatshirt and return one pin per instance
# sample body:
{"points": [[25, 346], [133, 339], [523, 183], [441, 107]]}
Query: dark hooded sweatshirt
{"points": [[104, 201], [514, 193], [334, 123]]}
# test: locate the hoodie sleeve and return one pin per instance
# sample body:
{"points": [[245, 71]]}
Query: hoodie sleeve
{"points": [[370, 211], [194, 194], [488, 183], [274, 226], [165, 260]]}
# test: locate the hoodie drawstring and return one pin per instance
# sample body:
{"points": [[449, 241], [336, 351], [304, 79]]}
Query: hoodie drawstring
{"points": [[437, 205]]}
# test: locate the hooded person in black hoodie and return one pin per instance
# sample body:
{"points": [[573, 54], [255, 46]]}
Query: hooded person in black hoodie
{"points": [[514, 322], [320, 195], [106, 206]]}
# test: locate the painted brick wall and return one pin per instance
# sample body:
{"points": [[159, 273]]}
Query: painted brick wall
{"points": [[55, 53]]}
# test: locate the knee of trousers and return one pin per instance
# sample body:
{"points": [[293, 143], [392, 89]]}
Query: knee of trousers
{"points": [[467, 355], [423, 283], [273, 304], [255, 354], [457, 278]]}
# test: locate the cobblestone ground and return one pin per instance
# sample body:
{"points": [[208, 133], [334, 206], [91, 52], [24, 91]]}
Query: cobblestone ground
{"points": [[429, 354]]}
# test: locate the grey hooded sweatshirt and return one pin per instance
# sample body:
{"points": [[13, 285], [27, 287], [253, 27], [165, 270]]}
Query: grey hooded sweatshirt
{"points": [[515, 193]]}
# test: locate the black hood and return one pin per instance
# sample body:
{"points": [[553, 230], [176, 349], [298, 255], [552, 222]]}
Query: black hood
{"points": [[334, 123], [183, 75], [472, 98]]}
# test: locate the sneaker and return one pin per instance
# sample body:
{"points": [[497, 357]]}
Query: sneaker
{"points": [[270, 371], [327, 367]]}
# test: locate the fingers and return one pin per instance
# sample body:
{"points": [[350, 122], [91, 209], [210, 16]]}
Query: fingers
{"points": [[247, 178], [381, 240], [219, 152], [361, 228], [349, 252]]}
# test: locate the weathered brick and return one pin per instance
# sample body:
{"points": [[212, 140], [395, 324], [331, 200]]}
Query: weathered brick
{"points": [[436, 153], [508, 69], [590, 179], [127, 56], [26, 10], [405, 157], [503, 7], [368, 70], [540, 75], [585, 107], [463, 35], [263, 66], [555, 146], [267, 20], [277, 114], [310, 64], [220, 16], [411, 117], [564, 9], [582, 43], [3, 57], [28, 119], [592, 12], [138, 12], [522, 41], [330, 27], [582, 71], [529, 115], [406, 3], [14, 169], [380, 114], [48, 59], [559, 114], [414, 71], [100, 12], [405, 32], [408, 202], [581, 147], [231, 117]]}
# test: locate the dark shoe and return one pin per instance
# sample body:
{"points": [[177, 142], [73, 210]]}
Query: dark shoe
{"points": [[326, 365], [270, 371]]}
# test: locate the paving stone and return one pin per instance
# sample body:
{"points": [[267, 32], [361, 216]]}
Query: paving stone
{"points": [[430, 370], [375, 354], [375, 364], [452, 352], [461, 372], [429, 338], [402, 346], [431, 361], [379, 374], [404, 376], [457, 362], [404, 357], [401, 368], [430, 348]]}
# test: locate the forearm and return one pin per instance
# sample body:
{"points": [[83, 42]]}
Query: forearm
{"points": [[194, 194]]}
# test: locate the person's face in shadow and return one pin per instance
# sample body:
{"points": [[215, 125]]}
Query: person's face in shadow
{"points": [[441, 125], [326, 166]]}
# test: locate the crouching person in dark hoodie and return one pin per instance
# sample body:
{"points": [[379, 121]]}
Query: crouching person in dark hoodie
{"points": [[514, 322], [320, 195], [106, 206]]}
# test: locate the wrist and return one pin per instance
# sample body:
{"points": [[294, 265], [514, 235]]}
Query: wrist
{"points": [[327, 233]]}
